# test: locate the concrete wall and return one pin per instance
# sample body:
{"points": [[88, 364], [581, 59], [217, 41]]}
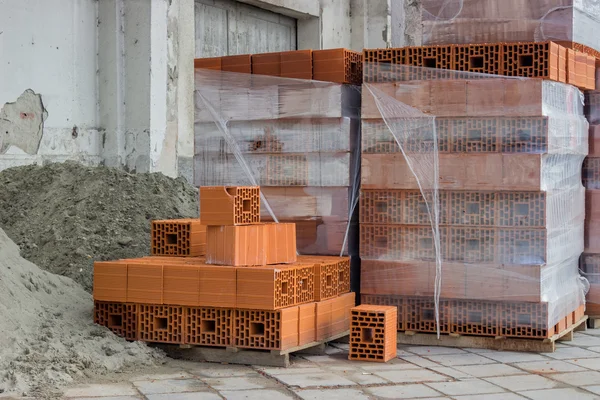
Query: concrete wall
{"points": [[111, 81], [48, 85]]}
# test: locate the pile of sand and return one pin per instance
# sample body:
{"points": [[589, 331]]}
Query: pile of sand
{"points": [[65, 216], [47, 336]]}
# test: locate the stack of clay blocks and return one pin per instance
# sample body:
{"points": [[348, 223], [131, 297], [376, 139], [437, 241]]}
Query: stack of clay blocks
{"points": [[494, 21], [298, 139], [546, 60], [510, 201], [373, 333], [590, 260], [331, 65], [249, 290]]}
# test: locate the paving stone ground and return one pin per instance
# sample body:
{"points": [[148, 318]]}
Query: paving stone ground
{"points": [[572, 373]]}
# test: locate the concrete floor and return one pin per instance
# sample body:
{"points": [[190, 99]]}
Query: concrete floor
{"points": [[572, 372]]}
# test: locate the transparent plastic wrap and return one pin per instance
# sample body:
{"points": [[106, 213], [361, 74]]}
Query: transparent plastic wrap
{"points": [[492, 21], [298, 140], [472, 202]]}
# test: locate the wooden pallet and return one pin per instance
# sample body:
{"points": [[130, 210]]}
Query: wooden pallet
{"points": [[594, 321], [235, 355], [492, 343]]}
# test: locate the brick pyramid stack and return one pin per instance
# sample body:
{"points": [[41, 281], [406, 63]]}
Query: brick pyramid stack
{"points": [[511, 203], [590, 260], [225, 280], [298, 138]]}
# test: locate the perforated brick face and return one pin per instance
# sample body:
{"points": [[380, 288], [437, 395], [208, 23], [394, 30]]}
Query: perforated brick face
{"points": [[247, 205], [209, 326], [373, 333], [178, 238], [120, 318], [160, 323], [267, 330]]}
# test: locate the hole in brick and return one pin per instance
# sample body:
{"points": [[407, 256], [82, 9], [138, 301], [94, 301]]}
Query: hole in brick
{"points": [[208, 326], [367, 335], [353, 68], [246, 205], [427, 314], [304, 284], [476, 62], [231, 191], [381, 206], [473, 244], [524, 319], [522, 209], [257, 329], [526, 60], [426, 243], [341, 277], [472, 208], [474, 317], [430, 62], [423, 208], [161, 324], [284, 288], [171, 238], [381, 242], [523, 135], [329, 280], [115, 321]]}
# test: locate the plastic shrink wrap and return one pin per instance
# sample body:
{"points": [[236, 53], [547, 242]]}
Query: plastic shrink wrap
{"points": [[472, 207]]}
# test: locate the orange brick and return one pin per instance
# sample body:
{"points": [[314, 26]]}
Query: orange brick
{"points": [[324, 321], [181, 284], [340, 313], [120, 318], [373, 333], [267, 330], [266, 64], [178, 237], [307, 317], [144, 283], [213, 63], [297, 64], [250, 245], [229, 205], [337, 65], [110, 281], [241, 64], [217, 286], [206, 326], [161, 323]]}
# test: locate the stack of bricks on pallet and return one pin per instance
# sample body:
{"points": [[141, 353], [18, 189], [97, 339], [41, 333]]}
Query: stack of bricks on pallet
{"points": [[247, 288], [546, 60], [494, 21], [590, 260], [511, 205], [297, 139], [332, 65]]}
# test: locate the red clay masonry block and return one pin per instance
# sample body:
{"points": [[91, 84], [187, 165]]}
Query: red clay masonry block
{"points": [[178, 237], [229, 205], [373, 333], [297, 64]]}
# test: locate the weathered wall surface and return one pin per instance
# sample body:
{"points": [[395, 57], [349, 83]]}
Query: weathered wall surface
{"points": [[48, 95]]}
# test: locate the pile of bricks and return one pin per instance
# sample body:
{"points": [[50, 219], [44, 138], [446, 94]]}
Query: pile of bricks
{"points": [[510, 201], [495, 21], [297, 139], [590, 260], [331, 65], [545, 60], [225, 280]]}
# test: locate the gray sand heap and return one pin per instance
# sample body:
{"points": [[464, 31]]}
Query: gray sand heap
{"points": [[65, 216], [47, 336]]}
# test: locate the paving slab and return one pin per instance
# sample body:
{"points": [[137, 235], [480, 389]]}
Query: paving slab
{"points": [[549, 367], [565, 353], [450, 360], [483, 371], [411, 375], [434, 350], [559, 394], [260, 394], [315, 380], [451, 372], [590, 363], [364, 378], [102, 390], [90, 398], [403, 391], [212, 370], [494, 396], [509, 357], [594, 389], [332, 394], [464, 387], [583, 340], [578, 378], [241, 383], [420, 361], [206, 395], [523, 382], [170, 386]]}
